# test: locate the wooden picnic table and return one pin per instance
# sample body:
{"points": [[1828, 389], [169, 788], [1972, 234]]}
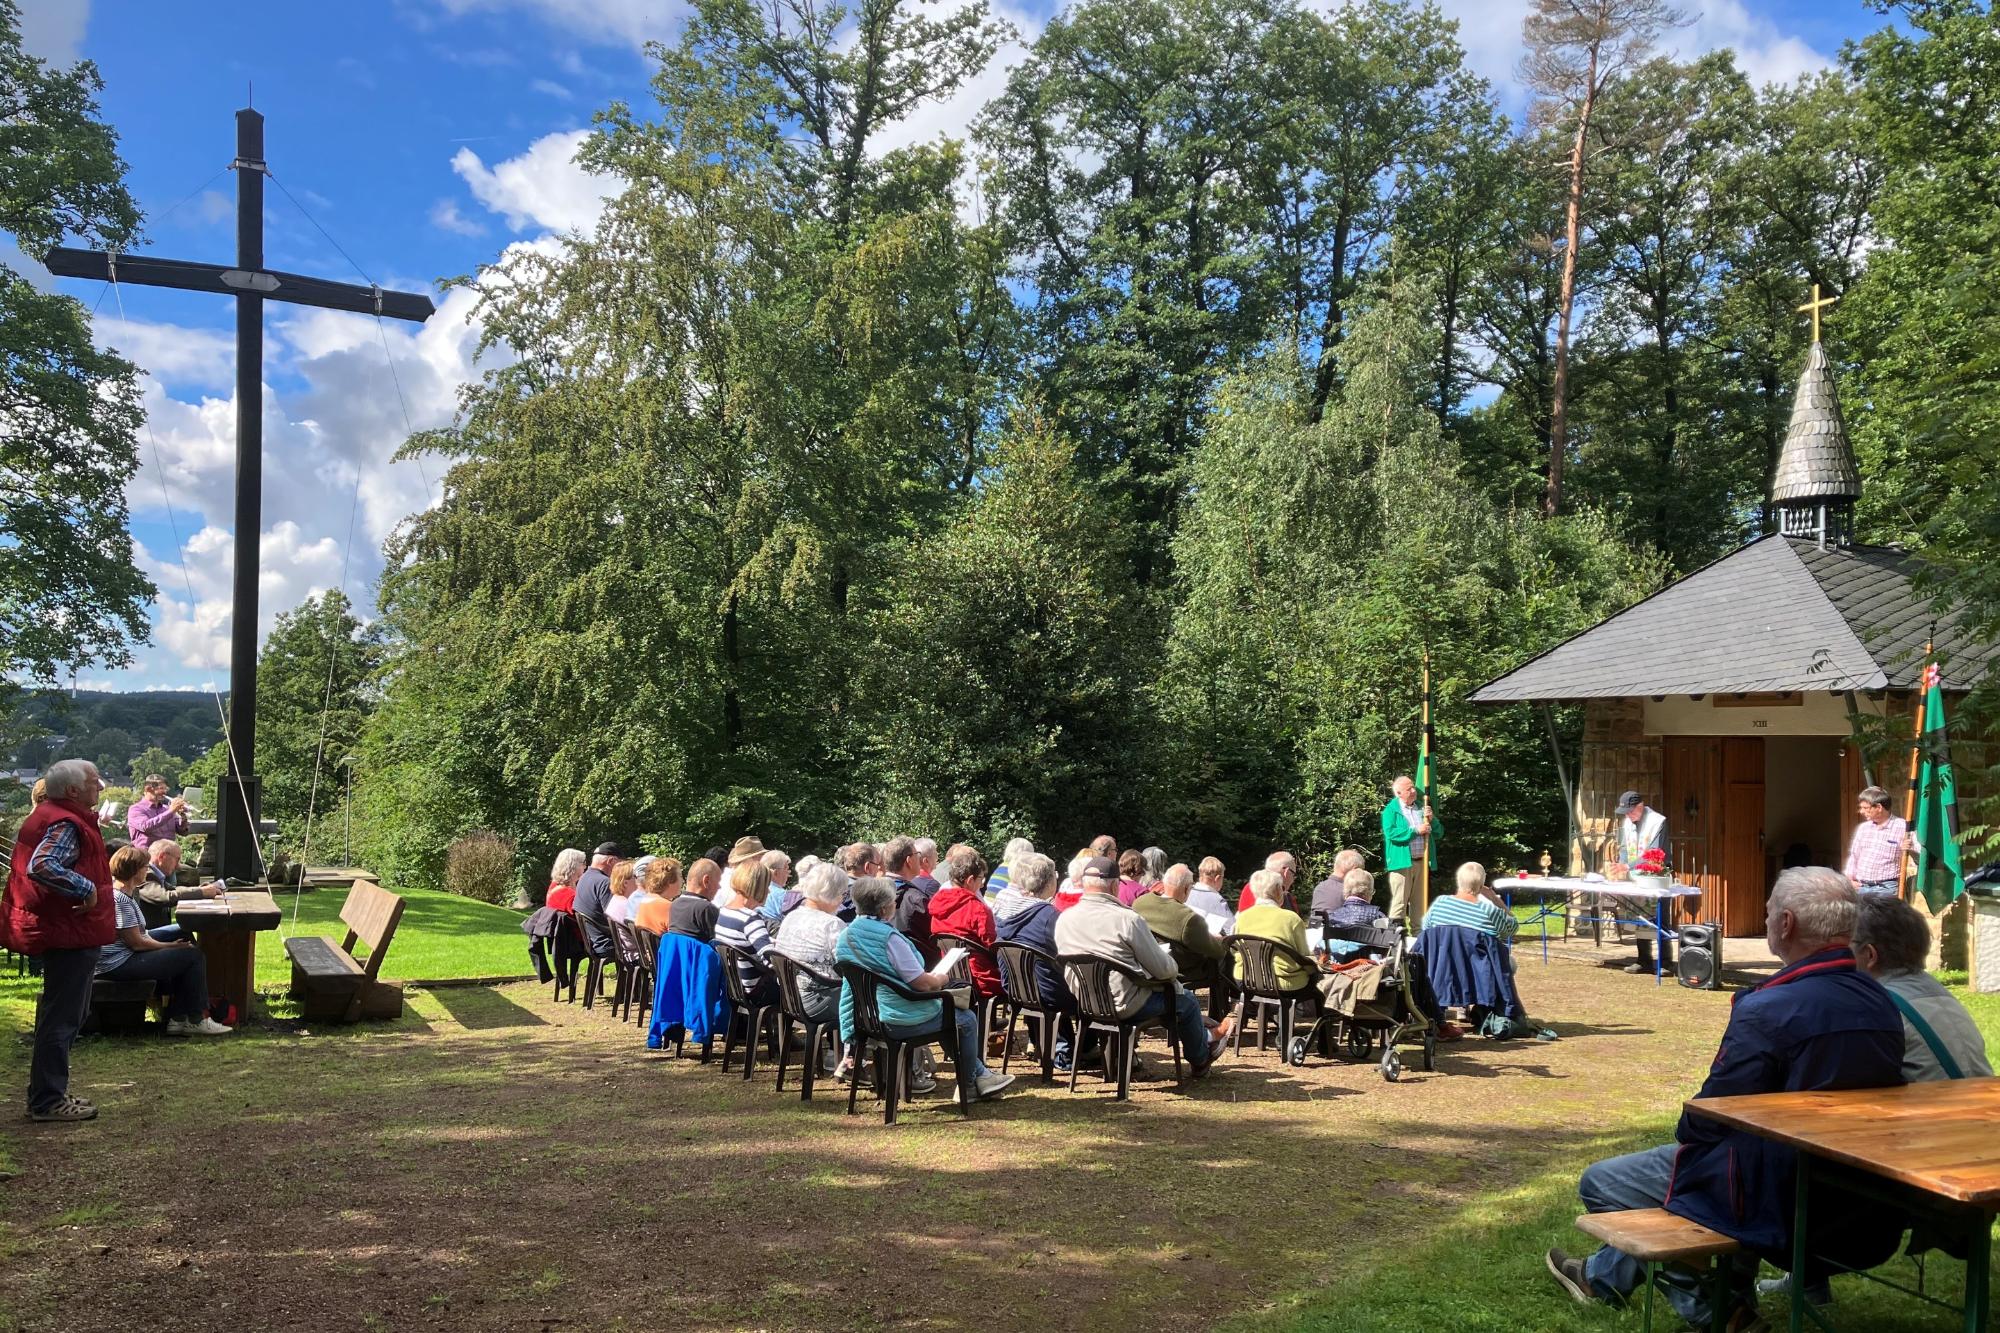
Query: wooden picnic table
{"points": [[226, 929], [1930, 1149]]}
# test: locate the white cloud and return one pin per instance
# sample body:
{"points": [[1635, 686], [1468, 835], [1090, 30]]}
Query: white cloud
{"points": [[549, 88], [328, 448], [1763, 52], [1490, 32], [628, 22], [543, 187], [204, 358], [292, 567], [446, 217], [53, 29], [214, 206]]}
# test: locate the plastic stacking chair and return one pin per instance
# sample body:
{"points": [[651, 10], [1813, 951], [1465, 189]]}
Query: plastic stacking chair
{"points": [[751, 1015], [1257, 983], [1022, 985], [1090, 980], [635, 964], [792, 976], [962, 976], [871, 1034]]}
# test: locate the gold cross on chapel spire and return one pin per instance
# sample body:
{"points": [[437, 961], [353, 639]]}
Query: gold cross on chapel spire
{"points": [[1815, 305]]}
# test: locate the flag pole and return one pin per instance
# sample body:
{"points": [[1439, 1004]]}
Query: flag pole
{"points": [[1423, 870], [1904, 871]]}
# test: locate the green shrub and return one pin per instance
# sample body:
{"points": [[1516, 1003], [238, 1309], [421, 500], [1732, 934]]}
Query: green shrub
{"points": [[480, 864]]}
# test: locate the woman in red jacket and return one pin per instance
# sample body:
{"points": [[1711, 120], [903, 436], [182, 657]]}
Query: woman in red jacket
{"points": [[57, 906], [960, 908]]}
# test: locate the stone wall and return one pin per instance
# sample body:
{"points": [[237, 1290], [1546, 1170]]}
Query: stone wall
{"points": [[1618, 756]]}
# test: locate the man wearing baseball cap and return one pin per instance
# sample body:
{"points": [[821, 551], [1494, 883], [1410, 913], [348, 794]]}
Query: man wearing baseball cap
{"points": [[593, 898]]}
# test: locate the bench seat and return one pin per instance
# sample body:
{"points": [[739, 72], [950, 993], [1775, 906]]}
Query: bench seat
{"points": [[118, 1006], [330, 984], [1654, 1235], [323, 960]]}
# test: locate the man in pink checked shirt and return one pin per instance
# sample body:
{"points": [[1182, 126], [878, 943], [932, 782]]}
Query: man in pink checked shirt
{"points": [[155, 817], [1875, 856]]}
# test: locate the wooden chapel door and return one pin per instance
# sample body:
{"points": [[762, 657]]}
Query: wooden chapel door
{"points": [[1691, 799], [1743, 871]]}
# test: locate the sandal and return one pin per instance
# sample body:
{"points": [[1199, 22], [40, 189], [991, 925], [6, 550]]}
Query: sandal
{"points": [[67, 1111]]}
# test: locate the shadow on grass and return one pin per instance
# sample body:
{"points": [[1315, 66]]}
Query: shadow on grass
{"points": [[480, 1007]]}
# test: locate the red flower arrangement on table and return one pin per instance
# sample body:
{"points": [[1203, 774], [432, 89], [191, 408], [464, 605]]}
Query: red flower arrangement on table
{"points": [[1652, 861]]}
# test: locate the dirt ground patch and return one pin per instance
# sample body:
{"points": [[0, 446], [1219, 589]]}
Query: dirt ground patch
{"points": [[496, 1160]]}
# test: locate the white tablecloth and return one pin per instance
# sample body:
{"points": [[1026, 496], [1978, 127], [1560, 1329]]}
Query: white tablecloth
{"points": [[1620, 888]]}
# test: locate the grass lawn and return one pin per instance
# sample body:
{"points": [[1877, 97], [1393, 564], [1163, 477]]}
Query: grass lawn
{"points": [[441, 936], [498, 1161]]}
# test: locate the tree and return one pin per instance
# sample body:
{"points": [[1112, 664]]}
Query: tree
{"points": [[1007, 661], [1310, 582], [1123, 146], [70, 593], [1654, 455], [1803, 188], [315, 688], [111, 749], [1576, 50], [153, 760], [1925, 316], [639, 609]]}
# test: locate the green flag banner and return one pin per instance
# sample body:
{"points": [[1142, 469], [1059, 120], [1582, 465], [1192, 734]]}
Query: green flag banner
{"points": [[1940, 878]]}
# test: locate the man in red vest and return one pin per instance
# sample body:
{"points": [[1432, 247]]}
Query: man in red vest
{"points": [[58, 905]]}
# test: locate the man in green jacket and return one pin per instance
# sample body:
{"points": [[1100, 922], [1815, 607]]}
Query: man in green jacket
{"points": [[1409, 850]]}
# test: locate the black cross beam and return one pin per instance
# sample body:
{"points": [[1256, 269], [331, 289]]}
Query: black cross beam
{"points": [[239, 802]]}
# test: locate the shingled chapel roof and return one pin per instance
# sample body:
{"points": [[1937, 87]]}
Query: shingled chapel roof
{"points": [[1780, 614], [1816, 463]]}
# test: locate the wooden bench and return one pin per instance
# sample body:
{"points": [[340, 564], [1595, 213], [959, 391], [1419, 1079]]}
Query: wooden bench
{"points": [[328, 982], [1655, 1236], [118, 1006]]}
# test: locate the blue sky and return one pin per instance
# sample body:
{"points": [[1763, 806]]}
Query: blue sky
{"points": [[425, 136]]}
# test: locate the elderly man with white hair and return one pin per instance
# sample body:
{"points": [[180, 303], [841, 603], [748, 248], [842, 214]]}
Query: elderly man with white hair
{"points": [[1821, 1023], [1286, 867], [58, 907], [1330, 893]]}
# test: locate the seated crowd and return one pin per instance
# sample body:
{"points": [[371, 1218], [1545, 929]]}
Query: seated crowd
{"points": [[1164, 921]]}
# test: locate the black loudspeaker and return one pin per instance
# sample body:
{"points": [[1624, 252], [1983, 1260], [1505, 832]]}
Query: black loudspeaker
{"points": [[1700, 964]]}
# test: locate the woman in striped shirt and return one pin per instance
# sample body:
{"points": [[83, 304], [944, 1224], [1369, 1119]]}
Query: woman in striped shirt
{"points": [[743, 925]]}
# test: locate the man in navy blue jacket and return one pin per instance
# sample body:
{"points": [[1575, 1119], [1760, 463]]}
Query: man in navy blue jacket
{"points": [[1820, 1023]]}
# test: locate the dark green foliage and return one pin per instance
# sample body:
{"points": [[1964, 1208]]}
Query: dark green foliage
{"points": [[1118, 480], [169, 722], [70, 594], [1317, 561], [315, 686], [997, 697]]}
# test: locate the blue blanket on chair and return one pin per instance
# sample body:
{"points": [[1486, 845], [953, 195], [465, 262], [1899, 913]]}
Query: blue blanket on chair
{"points": [[688, 991], [1468, 967]]}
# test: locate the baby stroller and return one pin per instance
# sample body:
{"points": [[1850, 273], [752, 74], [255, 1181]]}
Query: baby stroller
{"points": [[1400, 1009]]}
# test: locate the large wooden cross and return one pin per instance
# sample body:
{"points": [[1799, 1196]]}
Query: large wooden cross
{"points": [[239, 801], [1815, 305]]}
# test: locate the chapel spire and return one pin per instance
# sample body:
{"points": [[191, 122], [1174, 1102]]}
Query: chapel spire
{"points": [[1816, 482]]}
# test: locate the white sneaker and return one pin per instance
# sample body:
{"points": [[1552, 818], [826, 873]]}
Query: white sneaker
{"points": [[187, 1027]]}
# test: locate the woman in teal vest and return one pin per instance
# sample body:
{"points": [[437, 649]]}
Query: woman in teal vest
{"points": [[873, 943]]}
